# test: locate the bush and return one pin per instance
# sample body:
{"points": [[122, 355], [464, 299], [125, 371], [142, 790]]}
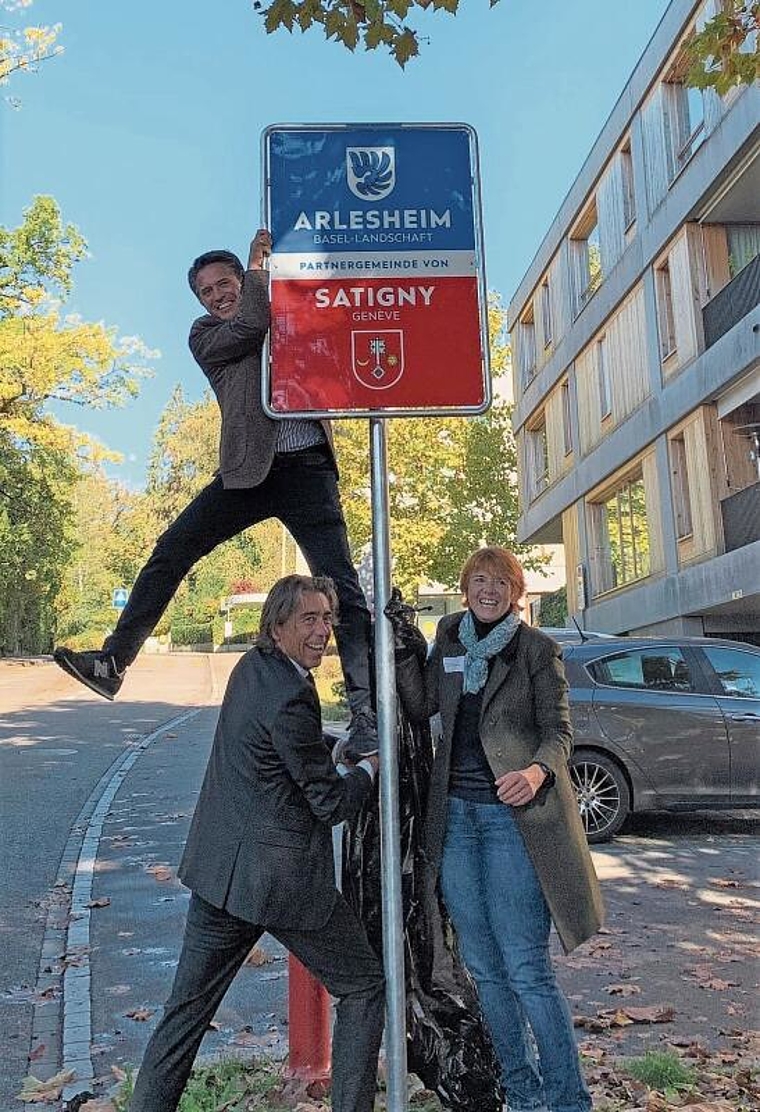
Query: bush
{"points": [[192, 633]]}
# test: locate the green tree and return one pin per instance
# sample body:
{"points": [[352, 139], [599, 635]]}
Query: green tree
{"points": [[726, 51], [44, 357], [370, 23], [112, 529], [35, 540]]}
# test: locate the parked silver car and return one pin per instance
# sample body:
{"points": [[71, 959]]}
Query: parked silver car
{"points": [[662, 725]]}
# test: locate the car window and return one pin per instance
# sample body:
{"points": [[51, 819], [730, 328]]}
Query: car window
{"points": [[660, 669], [738, 672]]}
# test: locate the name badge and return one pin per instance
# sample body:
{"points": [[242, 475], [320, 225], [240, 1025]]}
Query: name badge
{"points": [[453, 664]]}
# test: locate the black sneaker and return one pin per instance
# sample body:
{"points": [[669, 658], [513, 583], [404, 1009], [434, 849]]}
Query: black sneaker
{"points": [[362, 735], [96, 670]]}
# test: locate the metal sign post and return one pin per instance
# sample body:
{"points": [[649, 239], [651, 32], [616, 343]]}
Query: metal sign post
{"points": [[390, 839], [379, 309]]}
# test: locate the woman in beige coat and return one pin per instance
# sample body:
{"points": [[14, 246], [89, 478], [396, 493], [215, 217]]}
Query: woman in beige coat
{"points": [[503, 835]]}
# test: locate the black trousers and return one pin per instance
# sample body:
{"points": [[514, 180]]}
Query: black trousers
{"points": [[302, 491], [215, 946]]}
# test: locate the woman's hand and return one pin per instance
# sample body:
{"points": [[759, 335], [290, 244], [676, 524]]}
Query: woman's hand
{"points": [[520, 787]]}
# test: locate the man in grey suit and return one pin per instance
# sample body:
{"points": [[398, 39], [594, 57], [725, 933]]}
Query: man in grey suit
{"points": [[283, 469], [259, 857]]}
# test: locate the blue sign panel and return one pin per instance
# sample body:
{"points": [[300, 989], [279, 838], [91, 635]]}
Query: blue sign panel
{"points": [[119, 598]]}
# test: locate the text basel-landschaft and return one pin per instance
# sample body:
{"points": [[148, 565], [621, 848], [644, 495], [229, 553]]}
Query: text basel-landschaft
{"points": [[358, 220]]}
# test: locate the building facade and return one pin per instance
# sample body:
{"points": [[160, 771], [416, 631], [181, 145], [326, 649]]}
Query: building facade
{"points": [[636, 348]]}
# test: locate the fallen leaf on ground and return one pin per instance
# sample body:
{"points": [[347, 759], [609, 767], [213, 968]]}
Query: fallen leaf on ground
{"points": [[718, 984], [102, 901], [670, 882], [97, 1106], [160, 872], [34, 1091], [723, 882], [257, 956], [657, 1013], [37, 1053], [623, 989], [139, 1015]]}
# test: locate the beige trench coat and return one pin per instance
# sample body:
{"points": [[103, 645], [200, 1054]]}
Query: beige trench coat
{"points": [[524, 718]]}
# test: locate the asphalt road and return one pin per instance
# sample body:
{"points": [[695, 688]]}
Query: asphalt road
{"points": [[98, 796], [57, 740]]}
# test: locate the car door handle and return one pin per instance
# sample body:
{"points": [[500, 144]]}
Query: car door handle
{"points": [[748, 717]]}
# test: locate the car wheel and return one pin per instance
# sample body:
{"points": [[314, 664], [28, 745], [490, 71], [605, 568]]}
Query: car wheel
{"points": [[604, 798]]}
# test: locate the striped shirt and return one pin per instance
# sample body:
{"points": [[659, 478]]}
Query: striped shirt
{"points": [[294, 434]]}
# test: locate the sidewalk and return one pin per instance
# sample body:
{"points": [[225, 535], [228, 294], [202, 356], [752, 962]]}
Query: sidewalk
{"points": [[675, 966]]}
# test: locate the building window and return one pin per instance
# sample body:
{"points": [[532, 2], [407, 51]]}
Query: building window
{"points": [[629, 197], [538, 457], [528, 345], [567, 424], [684, 119], [621, 533], [546, 312], [603, 378], [681, 492], [666, 318], [743, 242], [586, 257]]}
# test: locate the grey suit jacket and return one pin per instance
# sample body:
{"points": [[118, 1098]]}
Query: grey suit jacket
{"points": [[229, 354], [260, 843]]}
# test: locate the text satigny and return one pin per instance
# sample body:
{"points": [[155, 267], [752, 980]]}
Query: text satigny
{"points": [[369, 303]]}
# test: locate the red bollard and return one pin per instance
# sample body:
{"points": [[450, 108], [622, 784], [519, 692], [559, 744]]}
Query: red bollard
{"points": [[308, 1024]]}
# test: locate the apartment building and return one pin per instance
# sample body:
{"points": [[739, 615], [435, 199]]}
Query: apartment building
{"points": [[636, 348]]}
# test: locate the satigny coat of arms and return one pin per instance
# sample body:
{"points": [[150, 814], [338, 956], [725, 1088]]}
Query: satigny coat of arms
{"points": [[377, 358]]}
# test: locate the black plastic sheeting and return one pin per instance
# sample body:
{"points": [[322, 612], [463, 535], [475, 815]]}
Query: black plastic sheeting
{"points": [[447, 1045]]}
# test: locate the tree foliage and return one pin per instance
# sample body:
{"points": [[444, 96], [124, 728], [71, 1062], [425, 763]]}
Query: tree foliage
{"points": [[22, 49], [371, 23], [44, 356], [724, 53]]}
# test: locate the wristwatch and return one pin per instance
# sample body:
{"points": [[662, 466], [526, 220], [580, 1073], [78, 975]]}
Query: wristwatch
{"points": [[550, 777]]}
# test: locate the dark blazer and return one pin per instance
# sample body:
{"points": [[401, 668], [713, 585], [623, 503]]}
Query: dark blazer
{"points": [[260, 843], [524, 718], [229, 354]]}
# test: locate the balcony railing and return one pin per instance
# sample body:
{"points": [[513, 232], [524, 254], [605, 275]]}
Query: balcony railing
{"points": [[741, 517], [733, 302]]}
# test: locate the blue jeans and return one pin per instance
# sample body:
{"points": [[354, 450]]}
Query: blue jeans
{"points": [[493, 896]]}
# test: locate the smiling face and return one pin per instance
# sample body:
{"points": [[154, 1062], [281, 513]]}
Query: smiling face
{"points": [[304, 636], [218, 288], [488, 594]]}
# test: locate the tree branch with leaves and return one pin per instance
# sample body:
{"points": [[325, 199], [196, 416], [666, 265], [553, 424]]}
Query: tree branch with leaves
{"points": [[724, 53], [370, 23], [23, 49]]}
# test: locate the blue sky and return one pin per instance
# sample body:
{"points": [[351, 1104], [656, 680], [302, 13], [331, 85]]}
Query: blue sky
{"points": [[147, 132]]}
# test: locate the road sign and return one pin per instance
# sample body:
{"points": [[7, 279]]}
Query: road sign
{"points": [[377, 279], [119, 598]]}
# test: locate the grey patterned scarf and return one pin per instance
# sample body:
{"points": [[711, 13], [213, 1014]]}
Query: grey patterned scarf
{"points": [[480, 652]]}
